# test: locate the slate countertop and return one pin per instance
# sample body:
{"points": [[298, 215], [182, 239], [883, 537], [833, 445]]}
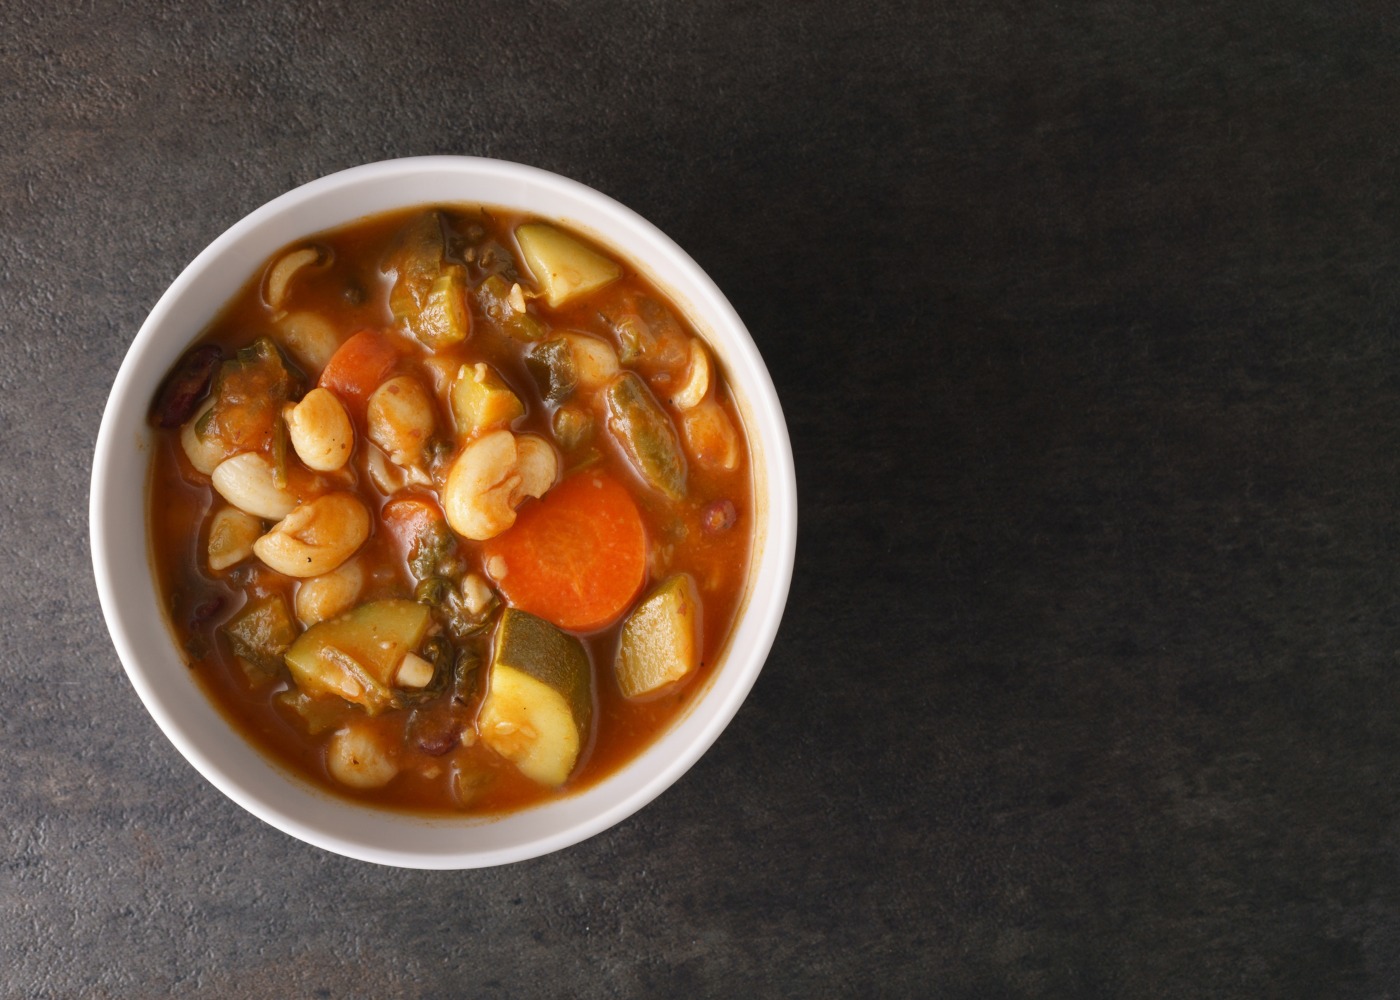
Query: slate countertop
{"points": [[1084, 318]]}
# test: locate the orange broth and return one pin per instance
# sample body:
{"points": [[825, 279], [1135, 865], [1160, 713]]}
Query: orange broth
{"points": [[351, 290]]}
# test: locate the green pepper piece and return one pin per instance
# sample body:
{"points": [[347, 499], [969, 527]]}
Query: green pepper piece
{"points": [[261, 632], [646, 434], [552, 365], [493, 295]]}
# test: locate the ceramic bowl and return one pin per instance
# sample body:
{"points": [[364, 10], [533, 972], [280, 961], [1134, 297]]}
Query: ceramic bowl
{"points": [[126, 583]]}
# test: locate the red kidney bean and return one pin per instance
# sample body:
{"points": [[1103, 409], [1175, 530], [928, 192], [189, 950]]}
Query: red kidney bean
{"points": [[718, 517], [434, 733], [186, 386]]}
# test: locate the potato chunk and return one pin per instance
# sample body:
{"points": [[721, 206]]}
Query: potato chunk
{"points": [[562, 265]]}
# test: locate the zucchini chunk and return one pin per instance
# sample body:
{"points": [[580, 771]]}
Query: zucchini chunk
{"points": [[357, 655], [562, 265], [539, 705], [500, 304], [261, 632], [661, 639]]}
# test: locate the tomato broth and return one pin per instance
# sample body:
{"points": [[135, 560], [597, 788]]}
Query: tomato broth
{"points": [[368, 441]]}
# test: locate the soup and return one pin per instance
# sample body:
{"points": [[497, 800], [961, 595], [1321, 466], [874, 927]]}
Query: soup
{"points": [[450, 510]]}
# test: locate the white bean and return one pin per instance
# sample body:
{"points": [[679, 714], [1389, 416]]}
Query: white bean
{"points": [[481, 485], [320, 431], [231, 537], [697, 380], [355, 756], [538, 466], [710, 437], [309, 336], [323, 597], [595, 362], [316, 537], [400, 419], [246, 481], [204, 453]]}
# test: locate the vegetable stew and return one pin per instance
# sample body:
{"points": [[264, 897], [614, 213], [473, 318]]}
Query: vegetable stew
{"points": [[451, 510]]}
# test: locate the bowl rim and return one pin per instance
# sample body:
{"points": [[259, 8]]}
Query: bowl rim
{"points": [[759, 617]]}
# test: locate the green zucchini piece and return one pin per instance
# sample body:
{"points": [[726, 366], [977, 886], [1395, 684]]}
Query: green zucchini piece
{"points": [[539, 704], [660, 642], [445, 318], [646, 434], [493, 295], [552, 365], [563, 266], [356, 655], [261, 632], [429, 297], [415, 261]]}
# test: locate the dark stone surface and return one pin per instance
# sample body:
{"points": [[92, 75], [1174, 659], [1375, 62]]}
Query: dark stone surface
{"points": [[1085, 321]]}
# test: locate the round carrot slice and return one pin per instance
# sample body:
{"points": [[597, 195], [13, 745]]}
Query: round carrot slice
{"points": [[357, 367], [576, 557]]}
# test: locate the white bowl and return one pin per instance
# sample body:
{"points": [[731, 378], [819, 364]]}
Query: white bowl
{"points": [[126, 584]]}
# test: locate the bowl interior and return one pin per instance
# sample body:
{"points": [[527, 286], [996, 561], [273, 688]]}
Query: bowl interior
{"points": [[127, 587]]}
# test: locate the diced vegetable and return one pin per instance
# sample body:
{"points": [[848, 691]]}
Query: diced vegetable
{"points": [[501, 307], [317, 714], [539, 705], [573, 426], [356, 655], [358, 368], [248, 396], [562, 265], [261, 632], [444, 318], [646, 435], [552, 365], [576, 558], [660, 642], [481, 401], [415, 260], [420, 532]]}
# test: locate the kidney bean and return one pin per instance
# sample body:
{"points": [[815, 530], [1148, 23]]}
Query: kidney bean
{"points": [[434, 733], [718, 517], [186, 386]]}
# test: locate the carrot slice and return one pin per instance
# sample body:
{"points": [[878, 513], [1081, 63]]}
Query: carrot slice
{"points": [[410, 519], [576, 557], [357, 367]]}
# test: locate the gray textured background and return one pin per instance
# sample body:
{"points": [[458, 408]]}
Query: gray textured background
{"points": [[1084, 317]]}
